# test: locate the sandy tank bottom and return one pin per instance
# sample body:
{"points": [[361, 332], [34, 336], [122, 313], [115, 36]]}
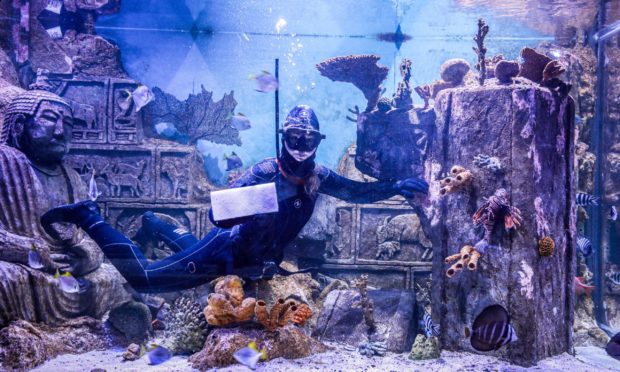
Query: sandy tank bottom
{"points": [[588, 359]]}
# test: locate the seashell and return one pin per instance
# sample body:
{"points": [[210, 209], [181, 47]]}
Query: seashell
{"points": [[546, 246]]}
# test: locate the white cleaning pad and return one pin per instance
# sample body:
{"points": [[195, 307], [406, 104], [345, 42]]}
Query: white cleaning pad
{"points": [[244, 201]]}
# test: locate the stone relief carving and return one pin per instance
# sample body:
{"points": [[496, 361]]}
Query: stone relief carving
{"points": [[175, 178]]}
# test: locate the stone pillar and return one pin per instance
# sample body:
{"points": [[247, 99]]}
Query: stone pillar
{"points": [[530, 129]]}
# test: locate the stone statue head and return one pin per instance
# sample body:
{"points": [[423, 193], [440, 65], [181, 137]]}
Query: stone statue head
{"points": [[40, 124]]}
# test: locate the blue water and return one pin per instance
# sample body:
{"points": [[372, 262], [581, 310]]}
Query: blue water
{"points": [[233, 39]]}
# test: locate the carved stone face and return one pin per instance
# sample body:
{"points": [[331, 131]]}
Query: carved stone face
{"points": [[47, 134]]}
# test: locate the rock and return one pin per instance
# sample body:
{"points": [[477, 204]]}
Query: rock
{"points": [[288, 342], [25, 345], [342, 318], [155, 303], [132, 353], [31, 289], [7, 69], [533, 65], [133, 319], [505, 71], [453, 70], [531, 131], [425, 348]]}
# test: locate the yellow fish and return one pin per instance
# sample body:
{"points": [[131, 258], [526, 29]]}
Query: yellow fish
{"points": [[263, 352]]}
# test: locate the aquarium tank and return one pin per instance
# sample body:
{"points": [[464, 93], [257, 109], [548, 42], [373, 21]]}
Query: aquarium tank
{"points": [[277, 185]]}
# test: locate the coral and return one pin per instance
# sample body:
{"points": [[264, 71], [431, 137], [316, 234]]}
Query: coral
{"points": [[425, 348], [360, 70], [533, 65], [468, 256], [302, 314], [481, 50], [454, 70], [495, 208], [227, 305], [402, 96], [197, 118], [424, 92], [24, 345], [370, 349], [133, 319], [362, 286], [185, 327], [546, 246], [281, 313], [552, 70], [491, 65], [491, 163], [288, 342], [506, 71], [459, 179], [384, 105]]}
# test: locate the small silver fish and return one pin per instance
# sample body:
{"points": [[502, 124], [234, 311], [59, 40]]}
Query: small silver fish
{"points": [[93, 192], [34, 258], [265, 82], [67, 282], [142, 96], [158, 355], [613, 213], [240, 122], [248, 357]]}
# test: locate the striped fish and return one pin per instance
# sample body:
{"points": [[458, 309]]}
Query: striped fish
{"points": [[583, 199], [495, 334], [584, 245], [614, 277], [430, 328]]}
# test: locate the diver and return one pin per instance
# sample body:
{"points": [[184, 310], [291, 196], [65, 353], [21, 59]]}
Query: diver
{"points": [[251, 247]]}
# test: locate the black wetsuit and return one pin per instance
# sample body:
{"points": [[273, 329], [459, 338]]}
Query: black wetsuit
{"points": [[242, 246]]}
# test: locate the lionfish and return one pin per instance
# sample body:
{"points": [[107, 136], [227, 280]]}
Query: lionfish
{"points": [[495, 208]]}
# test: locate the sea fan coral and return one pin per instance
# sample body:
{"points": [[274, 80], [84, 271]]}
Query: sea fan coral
{"points": [[185, 327]]}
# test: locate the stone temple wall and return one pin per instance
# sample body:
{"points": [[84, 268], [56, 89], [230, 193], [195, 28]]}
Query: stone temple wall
{"points": [[133, 172], [384, 240]]}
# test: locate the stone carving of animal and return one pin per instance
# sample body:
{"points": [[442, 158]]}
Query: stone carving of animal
{"points": [[401, 228], [121, 175], [177, 175]]}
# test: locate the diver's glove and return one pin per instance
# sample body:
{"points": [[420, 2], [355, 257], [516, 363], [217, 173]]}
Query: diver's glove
{"points": [[409, 186]]}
